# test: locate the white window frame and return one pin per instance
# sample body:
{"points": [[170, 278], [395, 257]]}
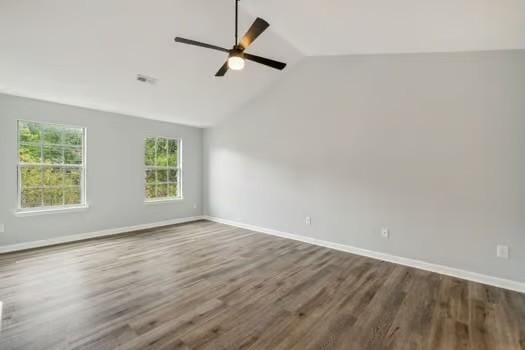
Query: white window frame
{"points": [[179, 169], [83, 167]]}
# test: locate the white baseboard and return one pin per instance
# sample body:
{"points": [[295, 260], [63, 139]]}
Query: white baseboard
{"points": [[83, 236], [444, 270]]}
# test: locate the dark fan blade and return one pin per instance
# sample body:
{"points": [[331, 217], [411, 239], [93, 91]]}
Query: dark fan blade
{"points": [[265, 61], [198, 43], [255, 30], [223, 70]]}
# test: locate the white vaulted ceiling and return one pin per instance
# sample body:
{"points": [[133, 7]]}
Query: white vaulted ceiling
{"points": [[88, 53], [343, 27]]}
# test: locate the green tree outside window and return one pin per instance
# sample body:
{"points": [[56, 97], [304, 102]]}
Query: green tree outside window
{"points": [[162, 169], [50, 165]]}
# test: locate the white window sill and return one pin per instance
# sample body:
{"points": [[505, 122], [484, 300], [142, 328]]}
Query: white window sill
{"points": [[163, 201], [63, 210]]}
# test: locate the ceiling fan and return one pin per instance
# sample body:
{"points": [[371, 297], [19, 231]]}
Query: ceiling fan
{"points": [[237, 55]]}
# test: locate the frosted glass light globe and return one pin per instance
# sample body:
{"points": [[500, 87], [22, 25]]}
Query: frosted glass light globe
{"points": [[236, 63]]}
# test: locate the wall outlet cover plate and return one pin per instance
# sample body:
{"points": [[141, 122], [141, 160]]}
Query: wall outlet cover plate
{"points": [[502, 251]]}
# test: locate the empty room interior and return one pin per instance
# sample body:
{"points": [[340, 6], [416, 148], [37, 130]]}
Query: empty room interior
{"points": [[262, 175]]}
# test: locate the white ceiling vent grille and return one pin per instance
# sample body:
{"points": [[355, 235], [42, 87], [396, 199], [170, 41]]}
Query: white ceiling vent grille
{"points": [[145, 79]]}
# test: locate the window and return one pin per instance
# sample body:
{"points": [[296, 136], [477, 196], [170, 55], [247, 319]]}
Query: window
{"points": [[163, 169], [51, 166]]}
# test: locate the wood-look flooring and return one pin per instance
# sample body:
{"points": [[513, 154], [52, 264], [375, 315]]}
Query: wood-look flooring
{"points": [[209, 286]]}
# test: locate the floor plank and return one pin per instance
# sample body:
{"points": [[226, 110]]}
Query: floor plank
{"points": [[205, 285]]}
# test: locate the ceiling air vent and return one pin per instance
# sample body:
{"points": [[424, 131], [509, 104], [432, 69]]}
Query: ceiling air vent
{"points": [[145, 79]]}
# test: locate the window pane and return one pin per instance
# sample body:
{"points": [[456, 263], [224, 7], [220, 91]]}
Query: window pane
{"points": [[162, 175], [53, 184], [172, 152], [31, 177], [73, 155], [29, 132], [30, 154], [73, 137], [162, 155], [72, 177], [53, 196], [172, 190], [172, 177], [53, 176], [162, 190], [53, 155], [149, 154], [150, 191], [31, 198], [72, 195], [150, 176], [52, 134]]}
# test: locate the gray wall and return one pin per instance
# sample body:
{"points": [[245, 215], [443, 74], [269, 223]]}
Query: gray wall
{"points": [[430, 145], [114, 180]]}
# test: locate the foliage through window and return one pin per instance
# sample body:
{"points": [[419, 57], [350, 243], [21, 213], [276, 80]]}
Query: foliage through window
{"points": [[51, 167], [163, 168]]}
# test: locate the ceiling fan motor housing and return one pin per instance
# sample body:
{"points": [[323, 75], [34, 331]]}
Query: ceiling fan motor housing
{"points": [[236, 51]]}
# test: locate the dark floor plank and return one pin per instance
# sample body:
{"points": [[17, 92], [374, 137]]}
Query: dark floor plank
{"points": [[205, 286]]}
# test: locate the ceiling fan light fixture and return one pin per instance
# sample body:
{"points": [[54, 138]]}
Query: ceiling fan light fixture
{"points": [[237, 55], [236, 63]]}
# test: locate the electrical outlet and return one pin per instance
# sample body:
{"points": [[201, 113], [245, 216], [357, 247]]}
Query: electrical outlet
{"points": [[308, 220], [2, 228], [502, 251], [194, 205], [385, 233]]}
